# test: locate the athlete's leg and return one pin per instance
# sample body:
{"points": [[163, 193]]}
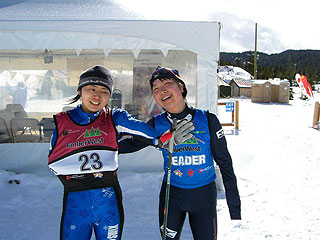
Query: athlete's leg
{"points": [[107, 212], [176, 214], [203, 214], [76, 216]]}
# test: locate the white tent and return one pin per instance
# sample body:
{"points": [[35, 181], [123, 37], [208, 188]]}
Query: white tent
{"points": [[31, 26], [98, 24]]}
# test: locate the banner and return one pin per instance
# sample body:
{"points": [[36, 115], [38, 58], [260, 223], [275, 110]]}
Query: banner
{"points": [[304, 85]]}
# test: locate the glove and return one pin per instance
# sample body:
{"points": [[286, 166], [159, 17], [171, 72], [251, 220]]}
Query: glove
{"points": [[180, 134]]}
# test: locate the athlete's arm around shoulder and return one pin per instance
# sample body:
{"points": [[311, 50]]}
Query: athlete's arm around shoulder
{"points": [[130, 143], [126, 124], [223, 158]]}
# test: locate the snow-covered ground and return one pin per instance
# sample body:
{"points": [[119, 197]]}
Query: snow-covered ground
{"points": [[227, 73], [276, 159]]}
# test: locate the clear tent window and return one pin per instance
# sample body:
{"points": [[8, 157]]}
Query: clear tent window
{"points": [[36, 84]]}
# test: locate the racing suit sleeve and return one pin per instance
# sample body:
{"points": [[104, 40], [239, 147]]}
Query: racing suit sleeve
{"points": [[53, 139], [128, 143], [133, 134], [223, 159]]}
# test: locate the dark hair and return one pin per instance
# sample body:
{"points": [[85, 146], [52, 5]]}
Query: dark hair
{"points": [[74, 99]]}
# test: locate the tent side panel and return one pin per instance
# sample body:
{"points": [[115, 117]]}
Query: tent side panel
{"points": [[207, 86]]}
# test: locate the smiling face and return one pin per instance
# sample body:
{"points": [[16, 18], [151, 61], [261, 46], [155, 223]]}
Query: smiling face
{"points": [[94, 98], [168, 94]]}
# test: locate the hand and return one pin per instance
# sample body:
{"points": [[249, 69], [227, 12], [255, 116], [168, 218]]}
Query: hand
{"points": [[180, 134], [183, 131]]}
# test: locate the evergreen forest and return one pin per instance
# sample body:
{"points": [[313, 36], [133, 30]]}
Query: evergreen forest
{"points": [[282, 65]]}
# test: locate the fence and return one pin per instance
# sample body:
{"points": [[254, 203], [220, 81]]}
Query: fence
{"points": [[232, 107], [316, 115]]}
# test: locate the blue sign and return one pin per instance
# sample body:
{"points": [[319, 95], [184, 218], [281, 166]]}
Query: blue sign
{"points": [[229, 106]]}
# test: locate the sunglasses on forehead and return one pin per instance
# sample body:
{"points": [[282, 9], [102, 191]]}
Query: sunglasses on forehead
{"points": [[165, 73]]}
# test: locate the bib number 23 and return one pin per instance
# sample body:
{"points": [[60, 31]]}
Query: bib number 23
{"points": [[91, 162]]}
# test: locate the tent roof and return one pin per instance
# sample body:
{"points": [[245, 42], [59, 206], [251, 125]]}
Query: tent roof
{"points": [[99, 24]]}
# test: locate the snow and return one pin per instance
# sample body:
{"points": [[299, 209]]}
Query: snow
{"points": [[227, 73], [276, 159]]}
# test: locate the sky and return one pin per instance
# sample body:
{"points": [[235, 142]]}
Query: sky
{"points": [[275, 159], [282, 24]]}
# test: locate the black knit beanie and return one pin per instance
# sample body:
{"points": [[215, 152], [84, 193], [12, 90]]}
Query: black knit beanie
{"points": [[97, 75]]}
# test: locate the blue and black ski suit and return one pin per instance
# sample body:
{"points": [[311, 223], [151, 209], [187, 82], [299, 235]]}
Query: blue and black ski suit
{"points": [[193, 188], [84, 156]]}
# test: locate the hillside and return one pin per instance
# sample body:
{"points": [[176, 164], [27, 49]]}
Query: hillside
{"points": [[282, 65]]}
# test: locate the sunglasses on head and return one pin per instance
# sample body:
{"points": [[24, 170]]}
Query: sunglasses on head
{"points": [[164, 73]]}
